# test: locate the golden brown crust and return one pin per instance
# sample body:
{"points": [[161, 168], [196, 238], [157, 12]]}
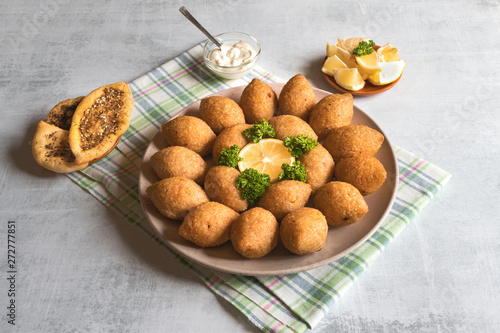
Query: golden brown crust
{"points": [[255, 233], [221, 112], [304, 231], [341, 203], [220, 186], [331, 112], [190, 132], [363, 171], [51, 150], [286, 125], [297, 97], [61, 115], [230, 136], [99, 121], [351, 140], [174, 197], [319, 166], [208, 224], [176, 161], [258, 101], [284, 197]]}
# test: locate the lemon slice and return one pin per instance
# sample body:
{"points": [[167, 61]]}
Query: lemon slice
{"points": [[265, 156], [363, 74], [331, 64], [391, 71], [369, 63], [350, 44], [331, 50], [343, 55], [388, 53], [349, 78]]}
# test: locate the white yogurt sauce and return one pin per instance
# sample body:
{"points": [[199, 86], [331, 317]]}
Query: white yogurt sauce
{"points": [[232, 55]]}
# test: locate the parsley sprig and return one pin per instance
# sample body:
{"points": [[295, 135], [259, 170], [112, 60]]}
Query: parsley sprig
{"points": [[364, 48], [253, 184], [298, 145], [259, 131], [229, 157], [296, 171]]}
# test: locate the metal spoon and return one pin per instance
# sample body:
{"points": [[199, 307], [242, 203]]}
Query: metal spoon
{"points": [[190, 17]]}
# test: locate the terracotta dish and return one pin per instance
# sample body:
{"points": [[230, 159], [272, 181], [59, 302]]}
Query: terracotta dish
{"points": [[368, 89]]}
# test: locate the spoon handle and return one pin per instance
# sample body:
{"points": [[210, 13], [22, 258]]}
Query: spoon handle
{"points": [[190, 17]]}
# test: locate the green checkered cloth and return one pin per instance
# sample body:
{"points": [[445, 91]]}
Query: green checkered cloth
{"points": [[289, 303]]}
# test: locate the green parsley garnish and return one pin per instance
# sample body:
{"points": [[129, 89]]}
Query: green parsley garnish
{"points": [[364, 48], [229, 157], [298, 145], [296, 171], [260, 130], [253, 184]]}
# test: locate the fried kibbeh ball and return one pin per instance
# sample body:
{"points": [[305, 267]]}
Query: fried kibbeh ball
{"points": [[341, 203], [255, 233], [190, 132], [351, 140], [258, 101], [177, 161], [221, 112], [220, 186], [331, 112], [304, 231], [319, 166], [363, 171], [286, 125], [284, 197], [174, 197], [208, 224], [228, 137], [297, 98]]}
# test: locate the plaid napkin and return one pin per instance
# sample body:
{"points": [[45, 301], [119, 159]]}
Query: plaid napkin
{"points": [[289, 303]]}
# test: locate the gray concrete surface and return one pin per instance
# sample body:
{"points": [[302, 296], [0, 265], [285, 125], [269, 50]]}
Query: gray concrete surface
{"points": [[83, 269]]}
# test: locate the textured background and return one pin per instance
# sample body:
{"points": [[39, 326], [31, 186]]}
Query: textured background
{"points": [[83, 269]]}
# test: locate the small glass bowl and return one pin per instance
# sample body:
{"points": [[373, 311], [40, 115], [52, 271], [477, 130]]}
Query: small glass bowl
{"points": [[231, 72]]}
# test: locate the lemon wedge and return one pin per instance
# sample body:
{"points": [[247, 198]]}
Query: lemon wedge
{"points": [[388, 53], [349, 78], [265, 156], [369, 63], [343, 55], [331, 64], [351, 71], [331, 50], [350, 44], [390, 72], [363, 74]]}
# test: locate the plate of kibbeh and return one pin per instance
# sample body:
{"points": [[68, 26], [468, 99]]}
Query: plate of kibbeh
{"points": [[268, 178]]}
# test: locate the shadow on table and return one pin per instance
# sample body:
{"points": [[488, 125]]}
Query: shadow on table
{"points": [[162, 261], [22, 157], [148, 250], [314, 75]]}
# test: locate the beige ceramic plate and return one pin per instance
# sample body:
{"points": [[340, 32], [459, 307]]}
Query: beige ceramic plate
{"points": [[368, 89], [340, 241]]}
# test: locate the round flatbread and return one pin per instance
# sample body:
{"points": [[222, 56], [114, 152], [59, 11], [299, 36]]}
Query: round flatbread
{"points": [[51, 149], [61, 115]]}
